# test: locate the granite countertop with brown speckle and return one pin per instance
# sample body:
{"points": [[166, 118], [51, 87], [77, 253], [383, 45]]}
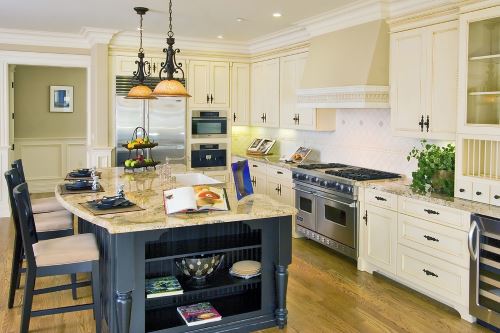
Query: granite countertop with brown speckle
{"points": [[402, 188], [145, 189], [268, 159]]}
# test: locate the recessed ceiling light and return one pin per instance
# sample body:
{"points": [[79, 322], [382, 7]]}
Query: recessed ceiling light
{"points": [[220, 37], [240, 19], [277, 14]]}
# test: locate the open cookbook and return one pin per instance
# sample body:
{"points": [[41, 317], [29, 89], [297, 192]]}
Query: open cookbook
{"points": [[195, 199]]}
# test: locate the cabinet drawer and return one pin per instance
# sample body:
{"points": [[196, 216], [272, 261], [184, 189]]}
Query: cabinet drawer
{"points": [[463, 189], [381, 199], [481, 192], [435, 275], [257, 167], [439, 241], [495, 195], [447, 216], [279, 173]]}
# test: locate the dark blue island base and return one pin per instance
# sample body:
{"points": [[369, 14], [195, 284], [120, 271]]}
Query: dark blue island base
{"points": [[127, 259]]}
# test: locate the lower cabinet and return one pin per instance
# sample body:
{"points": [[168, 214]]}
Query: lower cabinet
{"points": [[279, 190], [259, 182], [381, 236]]}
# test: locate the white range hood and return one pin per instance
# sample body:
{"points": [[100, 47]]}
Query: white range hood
{"points": [[348, 69]]}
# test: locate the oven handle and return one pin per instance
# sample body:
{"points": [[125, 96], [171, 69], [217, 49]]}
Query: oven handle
{"points": [[472, 230], [351, 205], [307, 192]]}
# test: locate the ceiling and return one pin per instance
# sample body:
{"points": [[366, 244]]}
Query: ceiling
{"points": [[191, 18]]}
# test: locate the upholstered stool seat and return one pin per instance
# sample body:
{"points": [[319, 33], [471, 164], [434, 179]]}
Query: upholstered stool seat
{"points": [[44, 205], [66, 250], [53, 221]]}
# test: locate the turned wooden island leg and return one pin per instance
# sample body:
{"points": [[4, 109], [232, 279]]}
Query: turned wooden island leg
{"points": [[123, 310], [281, 287]]}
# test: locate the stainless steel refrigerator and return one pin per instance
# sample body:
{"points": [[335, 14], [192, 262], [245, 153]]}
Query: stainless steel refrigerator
{"points": [[164, 119]]}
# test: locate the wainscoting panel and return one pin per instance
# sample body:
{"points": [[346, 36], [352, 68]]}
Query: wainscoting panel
{"points": [[47, 161], [4, 196]]}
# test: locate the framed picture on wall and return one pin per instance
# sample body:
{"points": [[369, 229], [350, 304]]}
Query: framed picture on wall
{"points": [[61, 99]]}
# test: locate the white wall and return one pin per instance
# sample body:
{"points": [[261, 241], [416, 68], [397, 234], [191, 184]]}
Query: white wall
{"points": [[362, 138]]}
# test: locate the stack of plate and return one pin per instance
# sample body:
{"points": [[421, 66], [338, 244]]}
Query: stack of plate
{"points": [[245, 269]]}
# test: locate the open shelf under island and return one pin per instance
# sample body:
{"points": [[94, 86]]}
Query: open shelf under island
{"points": [[140, 245]]}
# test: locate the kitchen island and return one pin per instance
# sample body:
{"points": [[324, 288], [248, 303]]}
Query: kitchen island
{"points": [[138, 245]]}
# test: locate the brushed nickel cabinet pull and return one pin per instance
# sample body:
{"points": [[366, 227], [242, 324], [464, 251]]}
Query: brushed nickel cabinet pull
{"points": [[380, 198]]}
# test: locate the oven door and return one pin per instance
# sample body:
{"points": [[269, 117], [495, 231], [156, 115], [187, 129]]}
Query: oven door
{"points": [[336, 219], [209, 127], [305, 202]]}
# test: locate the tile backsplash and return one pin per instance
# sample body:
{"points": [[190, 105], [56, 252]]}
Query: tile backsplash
{"points": [[362, 138]]}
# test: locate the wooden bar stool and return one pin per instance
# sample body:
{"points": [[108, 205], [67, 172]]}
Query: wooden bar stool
{"points": [[49, 225], [65, 255], [42, 205]]}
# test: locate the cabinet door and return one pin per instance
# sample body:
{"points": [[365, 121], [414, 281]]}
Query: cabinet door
{"points": [[258, 86], [272, 93], [408, 74], [219, 85], [199, 84], [240, 94], [381, 237], [124, 65], [259, 183], [444, 80]]}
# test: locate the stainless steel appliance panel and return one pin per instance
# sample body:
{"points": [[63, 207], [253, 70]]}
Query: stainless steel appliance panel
{"points": [[130, 113], [336, 218], [484, 287], [306, 206], [209, 124], [211, 156]]}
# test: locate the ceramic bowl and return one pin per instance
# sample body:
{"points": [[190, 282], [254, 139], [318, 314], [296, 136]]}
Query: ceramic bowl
{"points": [[200, 267]]}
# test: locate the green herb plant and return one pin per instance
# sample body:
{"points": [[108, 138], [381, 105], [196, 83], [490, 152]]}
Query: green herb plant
{"points": [[432, 158]]}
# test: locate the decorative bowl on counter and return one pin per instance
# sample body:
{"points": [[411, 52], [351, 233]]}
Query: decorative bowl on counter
{"points": [[200, 267]]}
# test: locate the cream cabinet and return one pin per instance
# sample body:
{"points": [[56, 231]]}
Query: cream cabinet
{"points": [[424, 81], [381, 228], [208, 83], [265, 92], [240, 94]]}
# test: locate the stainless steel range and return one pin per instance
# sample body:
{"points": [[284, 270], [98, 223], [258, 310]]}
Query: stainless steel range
{"points": [[326, 196]]}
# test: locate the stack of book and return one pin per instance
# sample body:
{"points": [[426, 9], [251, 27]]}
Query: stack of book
{"points": [[163, 286], [197, 314]]}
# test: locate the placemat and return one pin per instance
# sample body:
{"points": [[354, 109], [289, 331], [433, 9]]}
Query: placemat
{"points": [[63, 190], [68, 177], [134, 208]]}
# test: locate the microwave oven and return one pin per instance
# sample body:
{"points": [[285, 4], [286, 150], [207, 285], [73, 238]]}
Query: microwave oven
{"points": [[209, 124]]}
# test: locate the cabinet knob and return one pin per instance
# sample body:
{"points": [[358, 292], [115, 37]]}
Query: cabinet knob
{"points": [[234, 117], [496, 197], [366, 217], [479, 193], [208, 99], [430, 238], [211, 99], [462, 190], [429, 273], [431, 212], [380, 198]]}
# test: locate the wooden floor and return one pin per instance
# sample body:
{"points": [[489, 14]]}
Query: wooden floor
{"points": [[325, 294]]}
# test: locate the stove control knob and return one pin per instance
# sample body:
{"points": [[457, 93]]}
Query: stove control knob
{"points": [[341, 187], [295, 175], [314, 179], [324, 183], [348, 189]]}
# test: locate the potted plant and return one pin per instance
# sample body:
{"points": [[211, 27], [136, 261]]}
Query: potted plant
{"points": [[436, 168]]}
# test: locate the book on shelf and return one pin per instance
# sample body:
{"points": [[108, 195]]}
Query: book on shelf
{"points": [[197, 314], [195, 199], [163, 286]]}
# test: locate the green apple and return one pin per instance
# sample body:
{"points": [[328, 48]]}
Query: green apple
{"points": [[133, 164], [128, 163]]}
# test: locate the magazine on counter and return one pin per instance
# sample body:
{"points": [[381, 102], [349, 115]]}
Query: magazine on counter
{"points": [[195, 199], [163, 286], [198, 314]]}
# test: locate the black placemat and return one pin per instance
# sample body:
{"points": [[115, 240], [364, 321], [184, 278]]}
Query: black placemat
{"points": [[68, 177], [133, 208], [63, 190]]}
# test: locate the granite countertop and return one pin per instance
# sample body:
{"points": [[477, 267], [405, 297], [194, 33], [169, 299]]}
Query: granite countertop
{"points": [[144, 189], [269, 159], [402, 188]]}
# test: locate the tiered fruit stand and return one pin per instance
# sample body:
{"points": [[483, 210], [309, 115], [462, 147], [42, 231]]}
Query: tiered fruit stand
{"points": [[142, 147]]}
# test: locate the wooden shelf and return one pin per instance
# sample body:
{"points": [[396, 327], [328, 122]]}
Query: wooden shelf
{"points": [[221, 279], [484, 93], [232, 307], [492, 58], [187, 248]]}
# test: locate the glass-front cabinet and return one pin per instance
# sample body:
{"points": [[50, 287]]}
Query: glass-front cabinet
{"points": [[480, 72]]}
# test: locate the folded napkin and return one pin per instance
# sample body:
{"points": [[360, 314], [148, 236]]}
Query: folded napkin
{"points": [[80, 173], [110, 202], [78, 185]]}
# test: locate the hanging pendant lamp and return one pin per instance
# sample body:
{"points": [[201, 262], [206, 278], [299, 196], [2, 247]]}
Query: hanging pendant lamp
{"points": [[170, 86], [141, 91]]}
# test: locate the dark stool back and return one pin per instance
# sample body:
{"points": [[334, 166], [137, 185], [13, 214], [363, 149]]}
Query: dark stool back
{"points": [[18, 165]]}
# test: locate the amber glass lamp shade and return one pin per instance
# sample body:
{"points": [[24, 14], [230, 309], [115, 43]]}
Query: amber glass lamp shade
{"points": [[140, 92], [168, 88]]}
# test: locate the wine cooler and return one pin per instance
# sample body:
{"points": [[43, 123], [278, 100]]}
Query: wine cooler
{"points": [[484, 248]]}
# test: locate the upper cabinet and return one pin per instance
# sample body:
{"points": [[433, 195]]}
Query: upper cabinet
{"points": [[479, 102], [424, 73], [294, 117], [265, 92], [240, 94], [208, 83]]}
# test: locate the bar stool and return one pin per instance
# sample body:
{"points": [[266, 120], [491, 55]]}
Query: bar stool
{"points": [[49, 225], [65, 255], [42, 205]]}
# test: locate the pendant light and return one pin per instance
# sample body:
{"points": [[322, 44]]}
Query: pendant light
{"points": [[170, 86], [141, 91]]}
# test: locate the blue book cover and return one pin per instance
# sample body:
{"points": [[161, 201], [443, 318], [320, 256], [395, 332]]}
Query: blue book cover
{"points": [[242, 180]]}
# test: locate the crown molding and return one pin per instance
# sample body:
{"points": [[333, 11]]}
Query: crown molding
{"points": [[276, 40], [42, 38], [97, 35]]}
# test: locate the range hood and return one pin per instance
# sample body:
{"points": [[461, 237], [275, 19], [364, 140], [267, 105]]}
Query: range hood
{"points": [[348, 69]]}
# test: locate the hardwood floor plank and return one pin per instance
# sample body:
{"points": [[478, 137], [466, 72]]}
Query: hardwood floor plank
{"points": [[326, 294]]}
